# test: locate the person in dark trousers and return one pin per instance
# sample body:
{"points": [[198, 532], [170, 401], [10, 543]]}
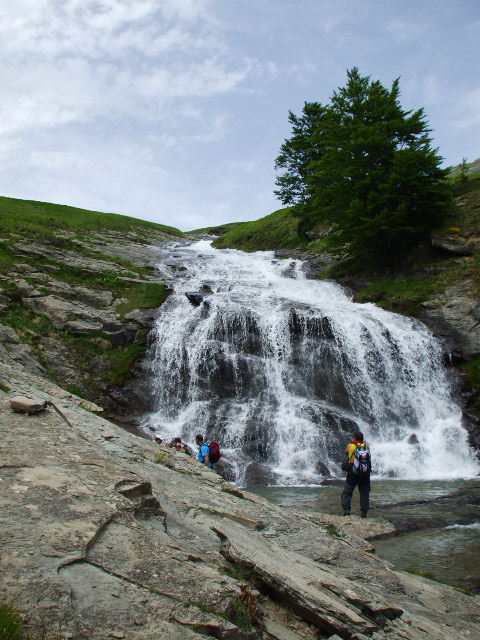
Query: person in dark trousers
{"points": [[360, 480], [203, 455]]}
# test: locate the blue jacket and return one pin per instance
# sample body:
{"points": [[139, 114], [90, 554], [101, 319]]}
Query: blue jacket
{"points": [[203, 452]]}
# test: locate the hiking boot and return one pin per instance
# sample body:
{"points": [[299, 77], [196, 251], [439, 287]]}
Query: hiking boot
{"points": [[346, 512], [363, 514]]}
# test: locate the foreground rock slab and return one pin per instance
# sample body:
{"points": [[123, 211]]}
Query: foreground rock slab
{"points": [[107, 535]]}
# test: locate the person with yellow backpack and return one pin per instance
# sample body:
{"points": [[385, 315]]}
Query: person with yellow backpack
{"points": [[358, 467]]}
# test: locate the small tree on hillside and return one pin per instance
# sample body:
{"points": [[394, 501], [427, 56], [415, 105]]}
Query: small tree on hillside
{"points": [[463, 171]]}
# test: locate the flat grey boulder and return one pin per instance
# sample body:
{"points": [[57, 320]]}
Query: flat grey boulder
{"points": [[108, 535], [455, 245]]}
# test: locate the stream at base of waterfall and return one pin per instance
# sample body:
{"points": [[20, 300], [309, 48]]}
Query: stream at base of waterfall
{"points": [[281, 370], [438, 523]]}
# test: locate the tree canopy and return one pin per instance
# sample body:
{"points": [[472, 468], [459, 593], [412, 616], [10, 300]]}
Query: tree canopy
{"points": [[364, 167]]}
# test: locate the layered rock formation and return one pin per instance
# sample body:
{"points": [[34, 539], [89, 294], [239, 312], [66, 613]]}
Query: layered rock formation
{"points": [[107, 535], [78, 308]]}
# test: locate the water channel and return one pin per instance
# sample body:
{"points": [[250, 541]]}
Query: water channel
{"points": [[438, 521]]}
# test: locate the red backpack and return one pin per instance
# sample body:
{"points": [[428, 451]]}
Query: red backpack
{"points": [[215, 454]]}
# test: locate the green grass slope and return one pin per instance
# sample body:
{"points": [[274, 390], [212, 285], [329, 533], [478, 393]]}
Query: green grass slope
{"points": [[278, 230], [30, 217], [217, 230]]}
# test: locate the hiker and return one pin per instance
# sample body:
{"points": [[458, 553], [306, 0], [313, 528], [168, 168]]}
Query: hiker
{"points": [[358, 469], [178, 445], [158, 439], [203, 455]]}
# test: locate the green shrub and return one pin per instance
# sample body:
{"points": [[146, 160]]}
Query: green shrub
{"points": [[239, 616], [11, 626], [403, 296], [332, 530]]}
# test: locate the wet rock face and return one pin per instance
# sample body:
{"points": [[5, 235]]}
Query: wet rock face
{"points": [[197, 297], [120, 546], [458, 311]]}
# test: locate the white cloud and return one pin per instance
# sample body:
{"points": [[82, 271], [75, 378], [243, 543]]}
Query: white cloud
{"points": [[175, 109], [74, 61], [404, 30], [468, 106]]}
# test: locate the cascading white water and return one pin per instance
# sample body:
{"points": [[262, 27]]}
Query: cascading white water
{"points": [[281, 370]]}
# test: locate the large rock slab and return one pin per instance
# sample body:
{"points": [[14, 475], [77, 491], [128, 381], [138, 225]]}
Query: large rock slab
{"points": [[108, 535], [73, 315]]}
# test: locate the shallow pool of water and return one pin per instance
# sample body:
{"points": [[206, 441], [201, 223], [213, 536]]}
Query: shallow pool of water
{"points": [[439, 521]]}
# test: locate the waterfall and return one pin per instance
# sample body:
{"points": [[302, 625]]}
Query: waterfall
{"points": [[281, 370]]}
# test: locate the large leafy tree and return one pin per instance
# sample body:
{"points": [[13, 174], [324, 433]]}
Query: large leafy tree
{"points": [[375, 179], [298, 153]]}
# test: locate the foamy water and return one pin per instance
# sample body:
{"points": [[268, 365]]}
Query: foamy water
{"points": [[282, 370]]}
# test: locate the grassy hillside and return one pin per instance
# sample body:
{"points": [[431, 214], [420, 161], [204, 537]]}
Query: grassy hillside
{"points": [[275, 231], [33, 218], [94, 268], [217, 231]]}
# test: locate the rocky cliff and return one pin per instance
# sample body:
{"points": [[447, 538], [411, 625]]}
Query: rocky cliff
{"points": [[78, 295], [106, 535]]}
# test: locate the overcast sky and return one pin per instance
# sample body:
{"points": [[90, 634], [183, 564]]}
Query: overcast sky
{"points": [[174, 110]]}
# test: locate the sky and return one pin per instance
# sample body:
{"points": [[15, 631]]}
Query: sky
{"points": [[175, 110]]}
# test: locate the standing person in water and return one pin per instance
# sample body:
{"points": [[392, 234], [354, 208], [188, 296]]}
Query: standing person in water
{"points": [[203, 455], [358, 469]]}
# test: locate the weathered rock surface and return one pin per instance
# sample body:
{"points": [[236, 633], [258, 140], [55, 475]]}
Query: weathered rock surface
{"points": [[459, 309], [63, 299], [99, 541], [197, 297], [455, 245], [14, 351]]}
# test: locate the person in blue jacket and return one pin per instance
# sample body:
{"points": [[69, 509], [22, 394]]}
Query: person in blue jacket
{"points": [[203, 455]]}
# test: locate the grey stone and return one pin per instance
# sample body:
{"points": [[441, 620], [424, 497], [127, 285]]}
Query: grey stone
{"points": [[143, 317], [259, 475], [455, 245], [14, 352], [8, 335], [475, 311], [55, 357], [457, 308], [26, 289], [197, 297], [81, 327], [24, 267], [104, 539]]}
